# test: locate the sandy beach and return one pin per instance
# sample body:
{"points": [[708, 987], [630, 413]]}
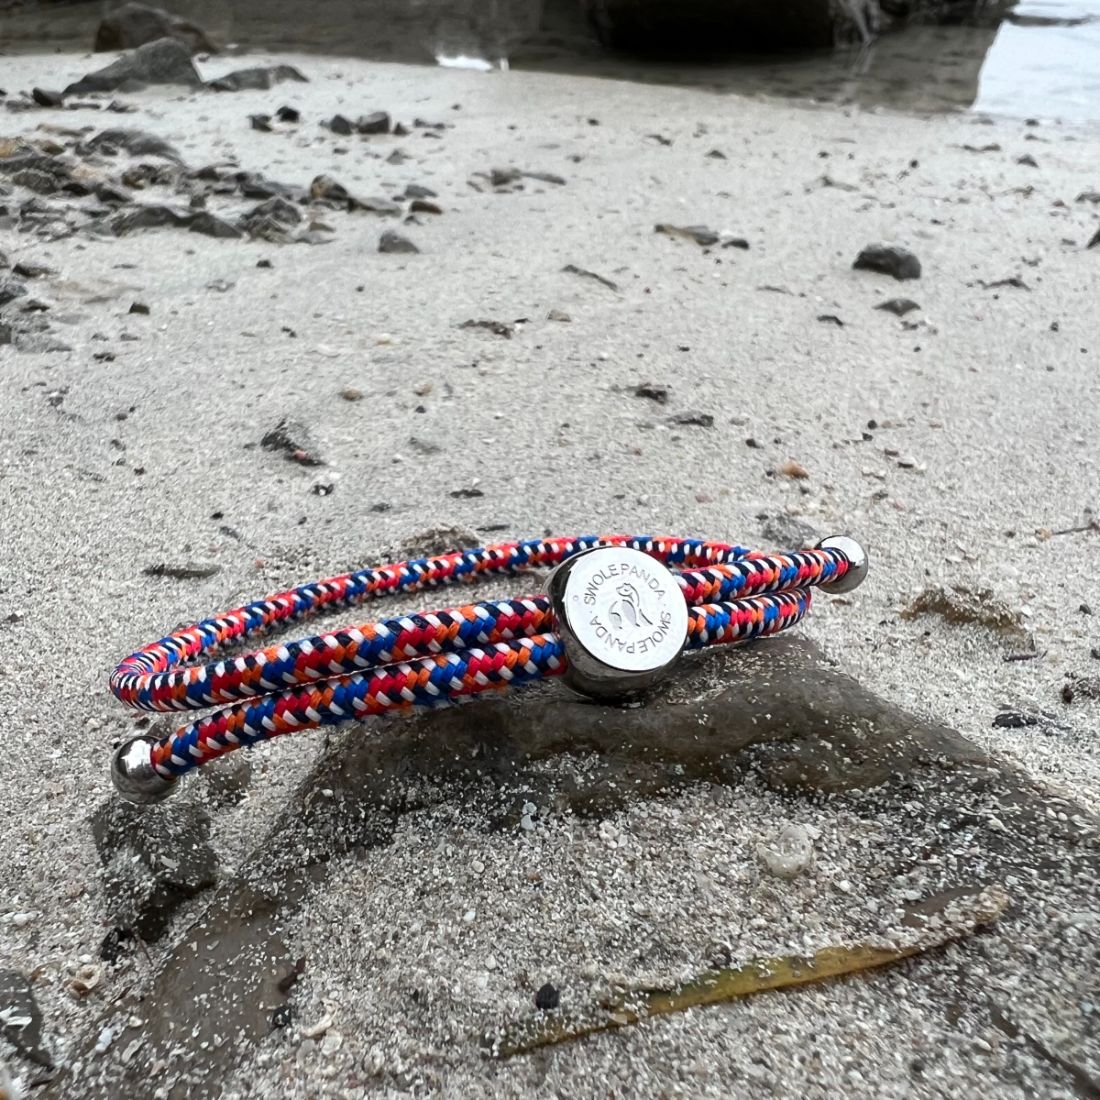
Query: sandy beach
{"points": [[958, 442]]}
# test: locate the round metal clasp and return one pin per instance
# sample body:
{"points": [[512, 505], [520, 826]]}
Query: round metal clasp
{"points": [[623, 620]]}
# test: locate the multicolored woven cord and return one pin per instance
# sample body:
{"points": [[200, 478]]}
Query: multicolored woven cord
{"points": [[733, 595]]}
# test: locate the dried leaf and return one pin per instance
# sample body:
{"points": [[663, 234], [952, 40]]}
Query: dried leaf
{"points": [[936, 925]]}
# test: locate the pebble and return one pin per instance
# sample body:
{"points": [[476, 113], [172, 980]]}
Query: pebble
{"points": [[789, 853], [888, 259], [393, 242], [547, 998]]}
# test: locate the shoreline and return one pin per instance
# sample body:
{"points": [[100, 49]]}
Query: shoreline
{"points": [[930, 436]]}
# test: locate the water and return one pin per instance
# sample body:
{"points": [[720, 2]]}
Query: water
{"points": [[1042, 61]]}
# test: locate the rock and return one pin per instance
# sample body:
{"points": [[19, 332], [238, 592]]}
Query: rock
{"points": [[1027, 160], [693, 419], [794, 470], [898, 306], [21, 1019], [888, 259], [776, 713], [154, 859], [340, 125], [786, 532], [326, 189], [139, 307], [150, 216], [700, 234], [183, 570], [788, 854], [706, 28], [960, 605], [419, 191], [211, 225], [424, 206], [164, 61], [271, 220], [256, 79], [294, 439], [497, 328], [651, 391], [27, 269], [1095, 240], [136, 24], [10, 289], [1088, 196], [288, 114], [45, 98], [1014, 720], [392, 241], [377, 122], [261, 123], [547, 998]]}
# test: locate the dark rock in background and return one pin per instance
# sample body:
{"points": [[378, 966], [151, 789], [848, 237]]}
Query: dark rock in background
{"points": [[255, 79], [136, 24]]}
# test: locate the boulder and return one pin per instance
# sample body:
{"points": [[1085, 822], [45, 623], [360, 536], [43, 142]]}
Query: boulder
{"points": [[136, 24], [165, 61]]}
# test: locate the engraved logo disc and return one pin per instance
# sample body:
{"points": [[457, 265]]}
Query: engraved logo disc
{"points": [[626, 609]]}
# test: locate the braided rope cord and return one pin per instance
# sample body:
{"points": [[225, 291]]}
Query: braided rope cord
{"points": [[733, 595]]}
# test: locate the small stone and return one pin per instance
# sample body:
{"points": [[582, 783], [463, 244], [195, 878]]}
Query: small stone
{"points": [[786, 532], [139, 307], [288, 114], [559, 315], [425, 206], [1028, 160], [351, 394], [547, 998], [497, 328], [10, 289], [377, 122], [651, 391], [45, 98], [790, 853], [692, 419], [338, 124], [393, 242], [419, 191], [1088, 196], [293, 438], [795, 470], [1014, 720], [889, 259], [317, 1030], [261, 123], [898, 306], [700, 234]]}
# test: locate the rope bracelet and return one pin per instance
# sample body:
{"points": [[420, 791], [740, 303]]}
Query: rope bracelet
{"points": [[618, 613]]}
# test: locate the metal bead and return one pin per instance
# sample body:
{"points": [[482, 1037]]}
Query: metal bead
{"points": [[622, 619], [857, 563], [134, 776]]}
